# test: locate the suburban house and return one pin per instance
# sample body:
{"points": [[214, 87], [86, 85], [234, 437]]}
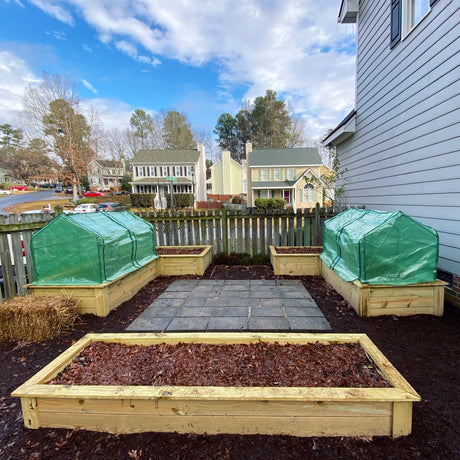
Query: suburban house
{"points": [[399, 147], [155, 171], [228, 177], [105, 174], [294, 175]]}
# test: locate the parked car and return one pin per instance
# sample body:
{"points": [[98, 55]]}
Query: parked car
{"points": [[5, 192], [93, 193], [111, 207], [69, 190], [58, 189], [22, 188], [86, 207]]}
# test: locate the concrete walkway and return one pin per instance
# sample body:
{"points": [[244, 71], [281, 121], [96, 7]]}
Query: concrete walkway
{"points": [[232, 305]]}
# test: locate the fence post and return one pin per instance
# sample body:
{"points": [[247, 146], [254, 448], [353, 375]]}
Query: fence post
{"points": [[224, 231], [317, 228]]}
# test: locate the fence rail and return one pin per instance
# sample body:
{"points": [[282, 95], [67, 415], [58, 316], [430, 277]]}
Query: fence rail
{"points": [[247, 232]]}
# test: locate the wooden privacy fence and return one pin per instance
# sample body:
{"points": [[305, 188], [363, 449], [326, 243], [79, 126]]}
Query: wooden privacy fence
{"points": [[248, 232]]}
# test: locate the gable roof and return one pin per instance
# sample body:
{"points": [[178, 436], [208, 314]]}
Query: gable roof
{"points": [[285, 157], [166, 156]]}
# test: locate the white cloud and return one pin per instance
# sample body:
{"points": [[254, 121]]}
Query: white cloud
{"points": [[292, 46], [89, 86], [15, 75]]}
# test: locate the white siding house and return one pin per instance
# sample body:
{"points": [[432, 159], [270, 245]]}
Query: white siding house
{"points": [[400, 147]]}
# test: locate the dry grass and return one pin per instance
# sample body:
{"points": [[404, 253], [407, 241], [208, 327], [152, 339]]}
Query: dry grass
{"points": [[36, 319]]}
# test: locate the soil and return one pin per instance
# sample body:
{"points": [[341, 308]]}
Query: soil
{"points": [[178, 251], [424, 349], [298, 250], [236, 365]]}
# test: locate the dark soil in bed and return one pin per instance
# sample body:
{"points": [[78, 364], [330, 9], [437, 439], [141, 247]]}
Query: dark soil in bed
{"points": [[425, 349], [232, 365]]}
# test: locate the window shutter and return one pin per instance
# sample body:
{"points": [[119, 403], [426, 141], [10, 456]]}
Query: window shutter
{"points": [[395, 31]]}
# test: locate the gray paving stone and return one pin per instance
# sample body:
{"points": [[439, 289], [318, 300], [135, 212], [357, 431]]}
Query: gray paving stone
{"points": [[194, 302], [266, 311], [237, 311], [310, 303], [192, 312], [180, 287], [261, 323], [160, 311], [174, 295], [168, 302], [288, 283], [188, 324], [237, 282], [216, 302], [275, 302], [149, 324], [262, 282], [295, 294], [224, 323], [242, 302], [309, 324], [263, 294], [303, 311]]}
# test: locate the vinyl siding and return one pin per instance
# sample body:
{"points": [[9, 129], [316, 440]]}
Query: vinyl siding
{"points": [[405, 153]]}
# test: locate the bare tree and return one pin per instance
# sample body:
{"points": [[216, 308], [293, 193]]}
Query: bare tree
{"points": [[37, 98]]}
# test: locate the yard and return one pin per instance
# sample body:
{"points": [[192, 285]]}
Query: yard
{"points": [[425, 349]]}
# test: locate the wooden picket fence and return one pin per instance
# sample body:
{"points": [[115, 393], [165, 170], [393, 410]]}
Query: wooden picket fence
{"points": [[250, 232], [247, 232]]}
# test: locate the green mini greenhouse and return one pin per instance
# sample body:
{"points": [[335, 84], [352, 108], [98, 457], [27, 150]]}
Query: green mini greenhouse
{"points": [[378, 247], [89, 249]]}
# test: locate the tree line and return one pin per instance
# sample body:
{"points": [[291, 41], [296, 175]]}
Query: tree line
{"points": [[58, 138]]}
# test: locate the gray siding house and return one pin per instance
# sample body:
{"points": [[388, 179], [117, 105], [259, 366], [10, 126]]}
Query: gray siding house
{"points": [[400, 147]]}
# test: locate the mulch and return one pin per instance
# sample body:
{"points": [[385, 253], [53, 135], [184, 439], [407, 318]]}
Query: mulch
{"points": [[424, 348]]}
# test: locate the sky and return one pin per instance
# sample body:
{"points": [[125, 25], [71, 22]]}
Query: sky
{"points": [[200, 57]]}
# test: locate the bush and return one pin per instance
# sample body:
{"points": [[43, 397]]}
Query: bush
{"points": [[237, 200], [181, 200], [142, 200], [270, 203]]}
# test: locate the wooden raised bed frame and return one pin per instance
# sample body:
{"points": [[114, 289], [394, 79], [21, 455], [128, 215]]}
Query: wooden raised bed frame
{"points": [[386, 299], [295, 264], [297, 411], [185, 264], [100, 299]]}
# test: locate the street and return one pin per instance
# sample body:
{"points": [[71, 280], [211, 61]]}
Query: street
{"points": [[18, 197]]}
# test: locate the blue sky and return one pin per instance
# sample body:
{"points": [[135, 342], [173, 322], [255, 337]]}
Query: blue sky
{"points": [[201, 57]]}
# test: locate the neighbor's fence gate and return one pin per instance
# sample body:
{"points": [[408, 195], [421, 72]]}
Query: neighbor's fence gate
{"points": [[249, 232]]}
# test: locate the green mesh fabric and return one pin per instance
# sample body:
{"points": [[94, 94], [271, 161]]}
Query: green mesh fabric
{"points": [[378, 247], [94, 248]]}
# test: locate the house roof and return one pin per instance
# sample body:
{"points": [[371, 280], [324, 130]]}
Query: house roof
{"points": [[342, 131], [166, 156], [108, 163], [285, 157]]}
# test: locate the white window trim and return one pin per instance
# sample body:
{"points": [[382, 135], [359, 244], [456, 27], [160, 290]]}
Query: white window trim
{"points": [[406, 14]]}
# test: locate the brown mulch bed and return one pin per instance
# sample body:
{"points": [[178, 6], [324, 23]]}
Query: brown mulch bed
{"points": [[424, 348], [233, 365], [298, 250], [178, 251]]}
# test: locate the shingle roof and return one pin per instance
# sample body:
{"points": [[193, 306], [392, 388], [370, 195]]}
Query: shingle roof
{"points": [[305, 156], [166, 156]]}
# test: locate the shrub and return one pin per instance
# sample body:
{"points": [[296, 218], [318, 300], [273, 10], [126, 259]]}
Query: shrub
{"points": [[237, 200], [181, 200], [270, 203], [142, 200]]}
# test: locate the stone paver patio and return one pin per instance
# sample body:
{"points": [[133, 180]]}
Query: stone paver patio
{"points": [[232, 305]]}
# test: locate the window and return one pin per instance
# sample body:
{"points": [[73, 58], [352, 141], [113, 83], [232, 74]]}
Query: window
{"points": [[264, 174], [164, 171], [265, 193], [177, 171], [290, 174], [405, 15], [153, 171], [139, 171], [190, 170], [309, 193], [277, 174]]}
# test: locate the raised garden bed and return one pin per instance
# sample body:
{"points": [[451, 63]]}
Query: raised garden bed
{"points": [[100, 299], [183, 260], [296, 260], [213, 409], [386, 299]]}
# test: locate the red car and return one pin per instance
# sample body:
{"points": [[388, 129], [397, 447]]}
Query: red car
{"points": [[22, 188], [93, 193]]}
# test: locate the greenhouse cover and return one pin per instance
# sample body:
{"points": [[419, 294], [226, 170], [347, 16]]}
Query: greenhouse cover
{"points": [[379, 247], [93, 248]]}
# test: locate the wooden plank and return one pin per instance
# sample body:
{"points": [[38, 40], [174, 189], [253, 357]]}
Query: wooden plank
{"points": [[254, 236], [298, 225], [294, 426], [262, 248], [231, 226], [276, 238], [203, 223], [30, 412], [210, 226], [291, 230], [283, 236], [402, 419], [247, 235], [239, 234], [7, 267], [19, 268], [218, 236]]}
